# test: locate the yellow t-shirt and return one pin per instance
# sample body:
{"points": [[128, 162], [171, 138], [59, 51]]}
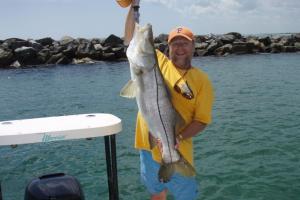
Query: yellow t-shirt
{"points": [[199, 108]]}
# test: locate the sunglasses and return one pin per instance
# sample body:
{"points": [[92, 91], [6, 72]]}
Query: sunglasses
{"points": [[187, 92]]}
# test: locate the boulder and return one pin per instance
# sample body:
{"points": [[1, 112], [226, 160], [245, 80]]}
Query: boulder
{"points": [[227, 38], [57, 48], [236, 35], [6, 57], [45, 41], [289, 49], [44, 55], [83, 61], [98, 47], [63, 61], [265, 40], [15, 64], [201, 52], [82, 41], [14, 43], [27, 56], [275, 38], [297, 37], [161, 38], [276, 47], [214, 45], [202, 45], [200, 38], [297, 45], [223, 50], [54, 58], [161, 46], [70, 51], [258, 46], [109, 56], [37, 46], [97, 41], [85, 50], [119, 52], [66, 40], [242, 47], [113, 41]]}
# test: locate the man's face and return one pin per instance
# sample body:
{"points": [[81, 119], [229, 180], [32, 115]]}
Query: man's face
{"points": [[181, 52]]}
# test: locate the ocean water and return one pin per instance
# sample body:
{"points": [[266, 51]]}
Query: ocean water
{"points": [[251, 151]]}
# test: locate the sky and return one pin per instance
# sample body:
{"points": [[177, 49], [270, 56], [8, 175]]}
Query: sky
{"points": [[36, 19]]}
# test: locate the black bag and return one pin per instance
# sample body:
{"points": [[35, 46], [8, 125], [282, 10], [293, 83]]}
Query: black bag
{"points": [[54, 187]]}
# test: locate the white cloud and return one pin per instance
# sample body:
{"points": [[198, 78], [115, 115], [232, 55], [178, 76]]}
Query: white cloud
{"points": [[198, 8]]}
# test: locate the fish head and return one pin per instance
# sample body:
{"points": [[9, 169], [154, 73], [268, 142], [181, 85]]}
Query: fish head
{"points": [[141, 53]]}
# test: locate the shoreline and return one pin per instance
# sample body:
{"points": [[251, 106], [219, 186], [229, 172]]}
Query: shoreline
{"points": [[20, 53]]}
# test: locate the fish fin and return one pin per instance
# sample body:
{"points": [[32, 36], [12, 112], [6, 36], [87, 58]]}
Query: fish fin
{"points": [[182, 166], [152, 141], [129, 90], [165, 172]]}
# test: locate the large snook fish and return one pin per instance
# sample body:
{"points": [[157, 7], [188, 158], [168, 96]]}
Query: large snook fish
{"points": [[153, 101]]}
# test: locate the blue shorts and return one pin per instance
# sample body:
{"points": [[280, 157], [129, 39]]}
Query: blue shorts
{"points": [[181, 187]]}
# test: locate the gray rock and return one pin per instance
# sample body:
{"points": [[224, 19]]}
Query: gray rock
{"points": [[113, 41], [161, 46], [297, 37], [287, 40], [202, 45], [119, 52], [161, 38], [85, 50], [227, 39], [54, 58], [276, 47], [242, 47], [45, 41], [265, 40], [37, 46], [200, 38], [82, 41], [289, 49], [15, 64], [236, 35], [297, 45], [44, 55], [201, 52], [14, 43], [226, 49], [214, 45], [107, 49], [66, 40], [63, 61], [97, 41], [6, 57], [83, 61], [98, 47], [70, 51], [26, 56], [109, 56]]}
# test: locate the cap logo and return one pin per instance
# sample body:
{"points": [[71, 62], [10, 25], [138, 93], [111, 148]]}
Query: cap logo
{"points": [[179, 30]]}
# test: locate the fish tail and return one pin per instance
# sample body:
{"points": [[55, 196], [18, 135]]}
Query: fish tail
{"points": [[182, 166]]}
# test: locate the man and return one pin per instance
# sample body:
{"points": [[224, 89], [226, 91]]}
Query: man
{"points": [[195, 110]]}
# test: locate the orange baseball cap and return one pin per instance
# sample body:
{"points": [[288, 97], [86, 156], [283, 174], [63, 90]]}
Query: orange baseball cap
{"points": [[181, 31], [124, 3]]}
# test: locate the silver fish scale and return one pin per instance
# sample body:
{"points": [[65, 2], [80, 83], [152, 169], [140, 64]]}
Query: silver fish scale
{"points": [[152, 96]]}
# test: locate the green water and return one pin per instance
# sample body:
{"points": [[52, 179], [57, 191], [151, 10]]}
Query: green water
{"points": [[251, 150]]}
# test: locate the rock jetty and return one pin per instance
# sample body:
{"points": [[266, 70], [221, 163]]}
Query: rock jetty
{"points": [[16, 53]]}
